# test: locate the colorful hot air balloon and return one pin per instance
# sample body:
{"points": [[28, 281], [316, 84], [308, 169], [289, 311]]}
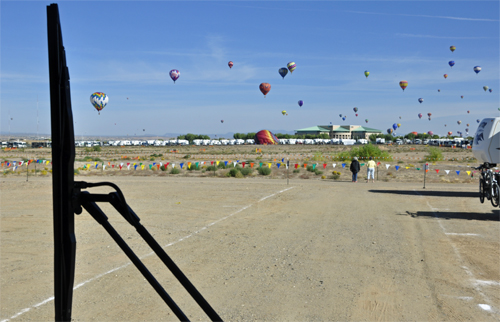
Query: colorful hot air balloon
{"points": [[439, 90], [420, 115], [265, 88], [451, 63], [477, 69], [174, 74], [430, 133], [415, 133], [301, 102], [467, 130], [265, 137], [366, 120], [394, 126], [389, 131], [429, 114], [356, 114], [450, 133], [468, 112], [485, 88], [230, 64], [340, 115], [462, 97], [283, 71], [420, 100], [367, 73], [478, 120], [467, 124], [459, 122], [452, 48], [490, 90], [355, 110], [403, 84], [343, 119], [291, 66], [445, 76], [283, 112], [400, 117], [399, 124], [222, 121], [99, 101]]}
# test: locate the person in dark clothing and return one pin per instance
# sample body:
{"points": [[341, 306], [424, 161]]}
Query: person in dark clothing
{"points": [[355, 169]]}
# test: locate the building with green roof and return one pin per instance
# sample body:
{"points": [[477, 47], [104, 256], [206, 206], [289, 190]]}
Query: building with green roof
{"points": [[340, 131]]}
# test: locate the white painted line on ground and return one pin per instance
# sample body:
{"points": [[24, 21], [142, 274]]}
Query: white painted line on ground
{"points": [[475, 285], [492, 283], [462, 234], [127, 264]]}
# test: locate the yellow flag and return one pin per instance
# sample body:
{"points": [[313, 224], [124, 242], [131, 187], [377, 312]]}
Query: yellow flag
{"points": [[142, 167], [47, 162], [189, 165], [217, 162], [88, 166], [269, 164], [468, 173], [407, 168]]}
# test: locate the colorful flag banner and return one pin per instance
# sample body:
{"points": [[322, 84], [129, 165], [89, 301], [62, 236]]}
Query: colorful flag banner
{"points": [[324, 165], [278, 164], [437, 170], [251, 165], [225, 163], [182, 164], [343, 165], [397, 167], [296, 165], [135, 166], [458, 172], [468, 173], [243, 164], [142, 166]]}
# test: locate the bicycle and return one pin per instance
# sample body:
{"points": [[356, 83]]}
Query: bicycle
{"points": [[489, 184]]}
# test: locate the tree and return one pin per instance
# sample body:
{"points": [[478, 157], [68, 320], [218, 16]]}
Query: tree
{"points": [[373, 137]]}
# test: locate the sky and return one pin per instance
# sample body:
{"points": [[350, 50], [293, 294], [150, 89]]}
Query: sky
{"points": [[127, 48]]}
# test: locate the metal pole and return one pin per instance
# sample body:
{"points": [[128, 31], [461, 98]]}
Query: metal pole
{"points": [[287, 166], [425, 172]]}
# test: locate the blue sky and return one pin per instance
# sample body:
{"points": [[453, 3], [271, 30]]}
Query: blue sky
{"points": [[126, 50]]}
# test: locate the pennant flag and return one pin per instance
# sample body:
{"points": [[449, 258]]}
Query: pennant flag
{"points": [[121, 166], [447, 171], [161, 164], [418, 169], [135, 166], [296, 165], [109, 163], [458, 172], [437, 170], [283, 160], [407, 168], [379, 163], [324, 165], [211, 163], [362, 164], [243, 164], [397, 167], [334, 165], [173, 165], [142, 166], [96, 166], [21, 163], [260, 164], [15, 168], [189, 165], [166, 164], [274, 160], [95, 163], [225, 163], [343, 165], [387, 166], [234, 163], [182, 164], [269, 164], [217, 162], [128, 164], [84, 166], [104, 167], [314, 166], [278, 164], [251, 165], [154, 163], [468, 173], [88, 166], [150, 166], [426, 170], [157, 167], [112, 165], [286, 166]]}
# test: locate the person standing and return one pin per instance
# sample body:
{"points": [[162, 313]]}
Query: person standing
{"points": [[355, 169], [371, 170]]}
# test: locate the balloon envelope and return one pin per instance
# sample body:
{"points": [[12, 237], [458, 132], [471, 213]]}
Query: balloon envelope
{"points": [[430, 133], [445, 75], [485, 88], [403, 84], [99, 100], [301, 102], [477, 69], [490, 90], [265, 88], [367, 73], [355, 109], [265, 137], [394, 126], [478, 120], [230, 64], [174, 74], [283, 71], [291, 66], [429, 114], [420, 100], [451, 63], [419, 115], [452, 48], [366, 120], [343, 119], [459, 122], [283, 112], [222, 121]]}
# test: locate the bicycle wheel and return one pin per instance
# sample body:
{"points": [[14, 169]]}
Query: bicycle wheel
{"points": [[495, 195], [481, 190]]}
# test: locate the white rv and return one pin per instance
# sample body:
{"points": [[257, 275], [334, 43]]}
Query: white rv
{"points": [[486, 147]]}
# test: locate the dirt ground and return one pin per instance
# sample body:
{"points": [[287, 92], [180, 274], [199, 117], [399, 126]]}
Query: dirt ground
{"points": [[262, 250]]}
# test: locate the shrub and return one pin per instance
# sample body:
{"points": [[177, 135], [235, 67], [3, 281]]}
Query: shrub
{"points": [[310, 168], [76, 171], [318, 172], [175, 171], [163, 168], [44, 172], [233, 172], [296, 171], [434, 154], [246, 171], [365, 151], [193, 167], [187, 156], [96, 148], [239, 175], [336, 175], [323, 177], [211, 168], [264, 171]]}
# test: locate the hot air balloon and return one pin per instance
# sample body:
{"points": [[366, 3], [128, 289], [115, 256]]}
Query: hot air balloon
{"points": [[399, 124], [99, 101], [420, 100], [450, 133], [174, 74], [459, 122], [468, 112], [283, 112], [283, 71], [265, 137], [485, 88], [222, 121], [429, 118], [343, 119], [445, 76], [419, 115], [451, 63], [394, 126], [291, 66], [478, 120], [403, 84], [340, 115], [429, 114], [452, 48], [467, 130], [467, 124], [301, 102], [356, 114], [477, 69], [400, 117], [462, 97], [490, 90], [265, 88], [389, 131], [230, 64], [367, 73], [366, 121], [355, 110], [415, 133], [430, 133], [439, 90], [445, 125]]}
